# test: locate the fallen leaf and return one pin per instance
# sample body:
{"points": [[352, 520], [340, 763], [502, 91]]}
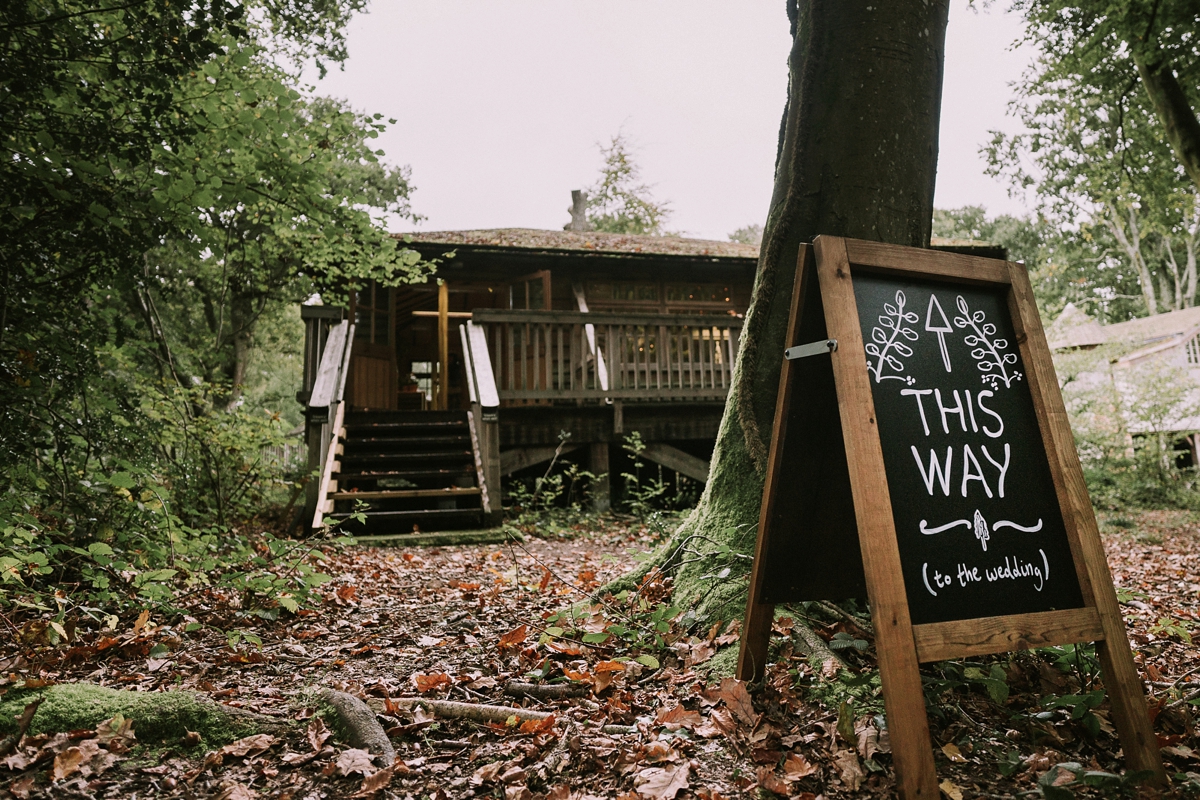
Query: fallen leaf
{"points": [[608, 666], [720, 723], [734, 693], [116, 733], [235, 791], [868, 737], [768, 780], [797, 766], [317, 733], [66, 763], [377, 781], [251, 745], [432, 682], [514, 637], [678, 717], [662, 783], [538, 725], [487, 773], [699, 653], [950, 789], [953, 753], [21, 788], [849, 770], [141, 621], [355, 760]]}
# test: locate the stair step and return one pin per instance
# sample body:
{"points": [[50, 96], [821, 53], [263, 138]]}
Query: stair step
{"points": [[401, 427], [404, 520], [442, 476], [396, 458], [404, 494], [386, 442]]}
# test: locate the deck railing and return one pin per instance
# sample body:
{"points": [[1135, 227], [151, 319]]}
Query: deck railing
{"points": [[540, 356]]}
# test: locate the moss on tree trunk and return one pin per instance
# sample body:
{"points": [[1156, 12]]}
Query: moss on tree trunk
{"points": [[857, 157]]}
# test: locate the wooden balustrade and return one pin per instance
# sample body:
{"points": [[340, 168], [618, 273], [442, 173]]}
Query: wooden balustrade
{"points": [[541, 356]]}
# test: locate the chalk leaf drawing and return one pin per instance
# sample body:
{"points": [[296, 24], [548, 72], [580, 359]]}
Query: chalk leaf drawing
{"points": [[980, 527], [988, 351], [887, 345]]}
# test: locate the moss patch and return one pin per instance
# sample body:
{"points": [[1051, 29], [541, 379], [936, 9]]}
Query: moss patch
{"points": [[158, 717], [723, 664]]}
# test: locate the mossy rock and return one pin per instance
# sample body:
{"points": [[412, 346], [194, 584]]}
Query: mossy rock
{"points": [[158, 717]]}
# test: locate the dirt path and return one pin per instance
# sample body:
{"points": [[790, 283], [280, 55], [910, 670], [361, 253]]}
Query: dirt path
{"points": [[463, 623]]}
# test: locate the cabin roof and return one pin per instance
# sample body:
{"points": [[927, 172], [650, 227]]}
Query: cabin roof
{"points": [[1074, 328], [585, 242], [595, 242]]}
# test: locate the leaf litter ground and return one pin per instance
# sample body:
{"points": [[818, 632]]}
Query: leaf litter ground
{"points": [[638, 715]]}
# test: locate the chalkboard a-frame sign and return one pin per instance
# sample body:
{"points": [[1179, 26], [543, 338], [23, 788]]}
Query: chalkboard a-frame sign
{"points": [[926, 460]]}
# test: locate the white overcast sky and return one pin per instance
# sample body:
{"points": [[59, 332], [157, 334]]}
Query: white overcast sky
{"points": [[500, 104]]}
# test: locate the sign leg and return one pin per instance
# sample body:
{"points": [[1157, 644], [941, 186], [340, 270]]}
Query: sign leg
{"points": [[756, 637], [1131, 716], [904, 701]]}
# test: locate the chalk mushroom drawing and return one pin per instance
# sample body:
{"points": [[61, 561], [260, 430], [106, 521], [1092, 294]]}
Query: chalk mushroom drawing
{"points": [[980, 527], [988, 353], [887, 344], [981, 530]]}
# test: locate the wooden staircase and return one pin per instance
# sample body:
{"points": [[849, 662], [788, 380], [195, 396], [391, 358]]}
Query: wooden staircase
{"points": [[414, 470]]}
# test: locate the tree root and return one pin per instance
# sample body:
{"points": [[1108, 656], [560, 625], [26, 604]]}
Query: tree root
{"points": [[816, 649], [360, 725]]}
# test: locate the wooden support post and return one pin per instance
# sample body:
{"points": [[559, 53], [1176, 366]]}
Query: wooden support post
{"points": [[598, 466], [442, 400], [490, 441]]}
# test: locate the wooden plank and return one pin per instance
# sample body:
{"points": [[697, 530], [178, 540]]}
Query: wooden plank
{"points": [[676, 459], [939, 641], [709, 393], [756, 627], [405, 494], [903, 695], [890, 258], [325, 386], [1125, 691], [499, 315], [521, 457], [449, 314]]}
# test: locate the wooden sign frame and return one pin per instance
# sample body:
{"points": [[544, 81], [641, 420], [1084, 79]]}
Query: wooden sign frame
{"points": [[901, 646]]}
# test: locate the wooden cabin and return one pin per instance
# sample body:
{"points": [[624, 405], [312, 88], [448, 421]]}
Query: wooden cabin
{"points": [[422, 397]]}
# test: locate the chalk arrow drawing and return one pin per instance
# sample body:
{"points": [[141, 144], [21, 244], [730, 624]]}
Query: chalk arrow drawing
{"points": [[932, 325]]}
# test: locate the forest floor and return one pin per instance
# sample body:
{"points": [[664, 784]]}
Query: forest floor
{"points": [[645, 716]]}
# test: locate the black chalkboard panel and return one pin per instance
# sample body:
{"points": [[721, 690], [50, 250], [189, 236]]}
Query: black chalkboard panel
{"points": [[977, 518]]}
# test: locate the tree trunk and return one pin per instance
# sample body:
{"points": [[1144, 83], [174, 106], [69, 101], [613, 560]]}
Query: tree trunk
{"points": [[1174, 111], [857, 157]]}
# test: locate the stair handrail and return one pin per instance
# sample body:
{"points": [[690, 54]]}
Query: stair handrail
{"points": [[328, 396], [481, 380]]}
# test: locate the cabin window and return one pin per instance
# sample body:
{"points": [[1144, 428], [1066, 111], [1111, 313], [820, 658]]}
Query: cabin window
{"points": [[698, 293], [372, 313], [1193, 350], [423, 372], [530, 293], [625, 292]]}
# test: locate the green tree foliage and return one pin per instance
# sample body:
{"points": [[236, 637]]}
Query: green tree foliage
{"points": [[748, 234], [620, 203], [165, 187], [1120, 49], [1098, 152]]}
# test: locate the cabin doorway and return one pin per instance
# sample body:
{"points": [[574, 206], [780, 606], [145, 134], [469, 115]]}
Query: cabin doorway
{"points": [[374, 379]]}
